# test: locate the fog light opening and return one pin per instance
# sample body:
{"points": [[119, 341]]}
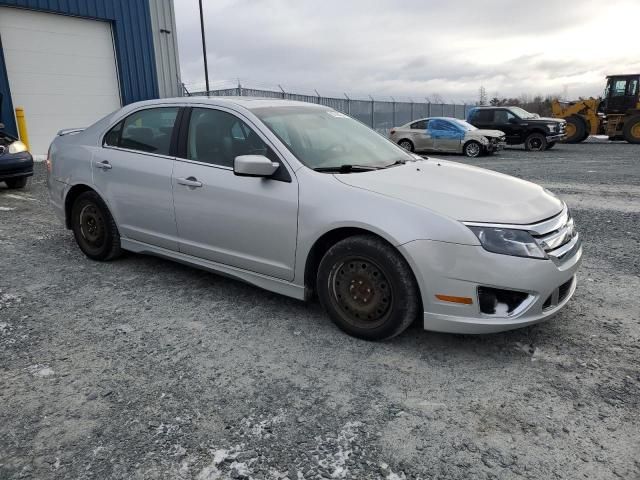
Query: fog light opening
{"points": [[495, 301]]}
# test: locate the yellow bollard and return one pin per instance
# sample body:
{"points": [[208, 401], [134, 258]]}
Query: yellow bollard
{"points": [[22, 127]]}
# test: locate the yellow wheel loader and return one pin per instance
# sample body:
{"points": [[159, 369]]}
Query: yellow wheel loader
{"points": [[617, 115]]}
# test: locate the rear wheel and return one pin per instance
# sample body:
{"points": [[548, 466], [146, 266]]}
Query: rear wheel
{"points": [[94, 228], [536, 142], [16, 182], [631, 129], [406, 144], [472, 149], [367, 288]]}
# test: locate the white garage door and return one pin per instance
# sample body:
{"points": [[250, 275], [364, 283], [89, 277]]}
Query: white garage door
{"points": [[61, 69]]}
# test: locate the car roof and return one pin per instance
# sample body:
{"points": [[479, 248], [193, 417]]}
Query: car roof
{"points": [[249, 103]]}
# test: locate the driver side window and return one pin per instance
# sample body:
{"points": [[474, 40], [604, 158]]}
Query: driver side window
{"points": [[218, 137]]}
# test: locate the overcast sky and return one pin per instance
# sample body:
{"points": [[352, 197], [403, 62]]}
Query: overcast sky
{"points": [[411, 48]]}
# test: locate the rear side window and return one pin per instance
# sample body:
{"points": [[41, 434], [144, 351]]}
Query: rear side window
{"points": [[482, 116], [419, 125], [147, 131]]}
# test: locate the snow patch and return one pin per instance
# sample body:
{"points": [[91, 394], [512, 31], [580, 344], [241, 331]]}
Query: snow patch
{"points": [[6, 209], [39, 370]]}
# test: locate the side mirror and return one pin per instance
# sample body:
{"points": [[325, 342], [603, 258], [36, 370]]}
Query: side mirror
{"points": [[254, 166]]}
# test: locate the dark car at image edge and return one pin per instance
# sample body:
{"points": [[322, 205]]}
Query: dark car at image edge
{"points": [[520, 127], [16, 163]]}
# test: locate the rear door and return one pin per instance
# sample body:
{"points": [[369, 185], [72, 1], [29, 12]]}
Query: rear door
{"points": [[132, 172], [420, 136], [244, 222]]}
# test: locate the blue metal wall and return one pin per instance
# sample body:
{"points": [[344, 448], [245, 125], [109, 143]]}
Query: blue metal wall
{"points": [[133, 44]]}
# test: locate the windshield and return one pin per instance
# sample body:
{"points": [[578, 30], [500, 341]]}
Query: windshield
{"points": [[522, 113], [322, 138], [466, 126]]}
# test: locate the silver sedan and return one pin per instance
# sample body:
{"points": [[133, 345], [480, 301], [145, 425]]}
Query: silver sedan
{"points": [[300, 200], [445, 134]]}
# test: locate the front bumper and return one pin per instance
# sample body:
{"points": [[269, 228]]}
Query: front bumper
{"points": [[459, 270], [16, 165], [558, 137], [495, 146]]}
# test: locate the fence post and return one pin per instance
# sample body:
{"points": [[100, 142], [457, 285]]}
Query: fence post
{"points": [[411, 108], [373, 114], [318, 95], [348, 104], [428, 107], [284, 95], [393, 112], [239, 88]]}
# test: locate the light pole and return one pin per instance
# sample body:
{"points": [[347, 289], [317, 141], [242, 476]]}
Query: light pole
{"points": [[204, 49]]}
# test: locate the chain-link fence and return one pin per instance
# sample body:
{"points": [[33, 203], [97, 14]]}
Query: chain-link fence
{"points": [[380, 115]]}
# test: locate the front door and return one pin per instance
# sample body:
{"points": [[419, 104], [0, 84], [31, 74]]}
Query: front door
{"points": [[244, 222], [132, 172], [446, 136]]}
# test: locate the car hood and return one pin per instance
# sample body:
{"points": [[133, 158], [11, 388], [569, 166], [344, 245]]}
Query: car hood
{"points": [[545, 120], [486, 133], [461, 192]]}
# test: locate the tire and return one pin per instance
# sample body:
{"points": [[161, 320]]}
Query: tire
{"points": [[550, 145], [631, 130], [94, 229], [367, 288], [20, 182], [472, 149], [535, 142], [576, 130], [406, 144]]}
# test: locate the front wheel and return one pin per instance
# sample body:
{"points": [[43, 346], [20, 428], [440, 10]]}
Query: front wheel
{"points": [[472, 149], [16, 182], [536, 142], [367, 288], [94, 228]]}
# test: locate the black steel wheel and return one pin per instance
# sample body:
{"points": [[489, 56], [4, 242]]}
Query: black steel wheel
{"points": [[536, 142], [406, 144], [93, 227], [367, 288]]}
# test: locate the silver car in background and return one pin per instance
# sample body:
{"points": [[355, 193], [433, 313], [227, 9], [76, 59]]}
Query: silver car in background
{"points": [[300, 199], [446, 134]]}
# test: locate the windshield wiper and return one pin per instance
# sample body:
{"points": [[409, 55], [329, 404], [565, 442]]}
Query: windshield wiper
{"points": [[346, 168], [401, 161]]}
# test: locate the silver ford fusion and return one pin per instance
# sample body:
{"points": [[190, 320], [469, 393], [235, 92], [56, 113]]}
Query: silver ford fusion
{"points": [[300, 199], [446, 134]]}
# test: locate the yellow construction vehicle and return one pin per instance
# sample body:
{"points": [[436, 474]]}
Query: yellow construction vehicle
{"points": [[616, 115]]}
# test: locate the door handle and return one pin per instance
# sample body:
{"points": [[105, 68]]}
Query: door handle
{"points": [[189, 182], [104, 165]]}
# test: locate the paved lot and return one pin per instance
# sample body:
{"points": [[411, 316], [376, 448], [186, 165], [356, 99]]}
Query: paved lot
{"points": [[142, 368]]}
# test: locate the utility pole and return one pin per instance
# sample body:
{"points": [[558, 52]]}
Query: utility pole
{"points": [[204, 49]]}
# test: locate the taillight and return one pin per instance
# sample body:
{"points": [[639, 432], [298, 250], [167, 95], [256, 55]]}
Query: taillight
{"points": [[48, 161]]}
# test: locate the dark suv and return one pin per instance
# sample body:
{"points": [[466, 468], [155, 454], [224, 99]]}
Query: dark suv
{"points": [[520, 126]]}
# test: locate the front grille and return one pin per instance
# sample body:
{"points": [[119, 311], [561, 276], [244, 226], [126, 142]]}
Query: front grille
{"points": [[559, 234]]}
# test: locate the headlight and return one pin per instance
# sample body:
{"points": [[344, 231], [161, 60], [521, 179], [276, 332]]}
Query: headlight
{"points": [[551, 127], [507, 241], [17, 147]]}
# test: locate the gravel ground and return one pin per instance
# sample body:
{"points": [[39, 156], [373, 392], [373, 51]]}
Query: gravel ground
{"points": [[143, 368]]}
